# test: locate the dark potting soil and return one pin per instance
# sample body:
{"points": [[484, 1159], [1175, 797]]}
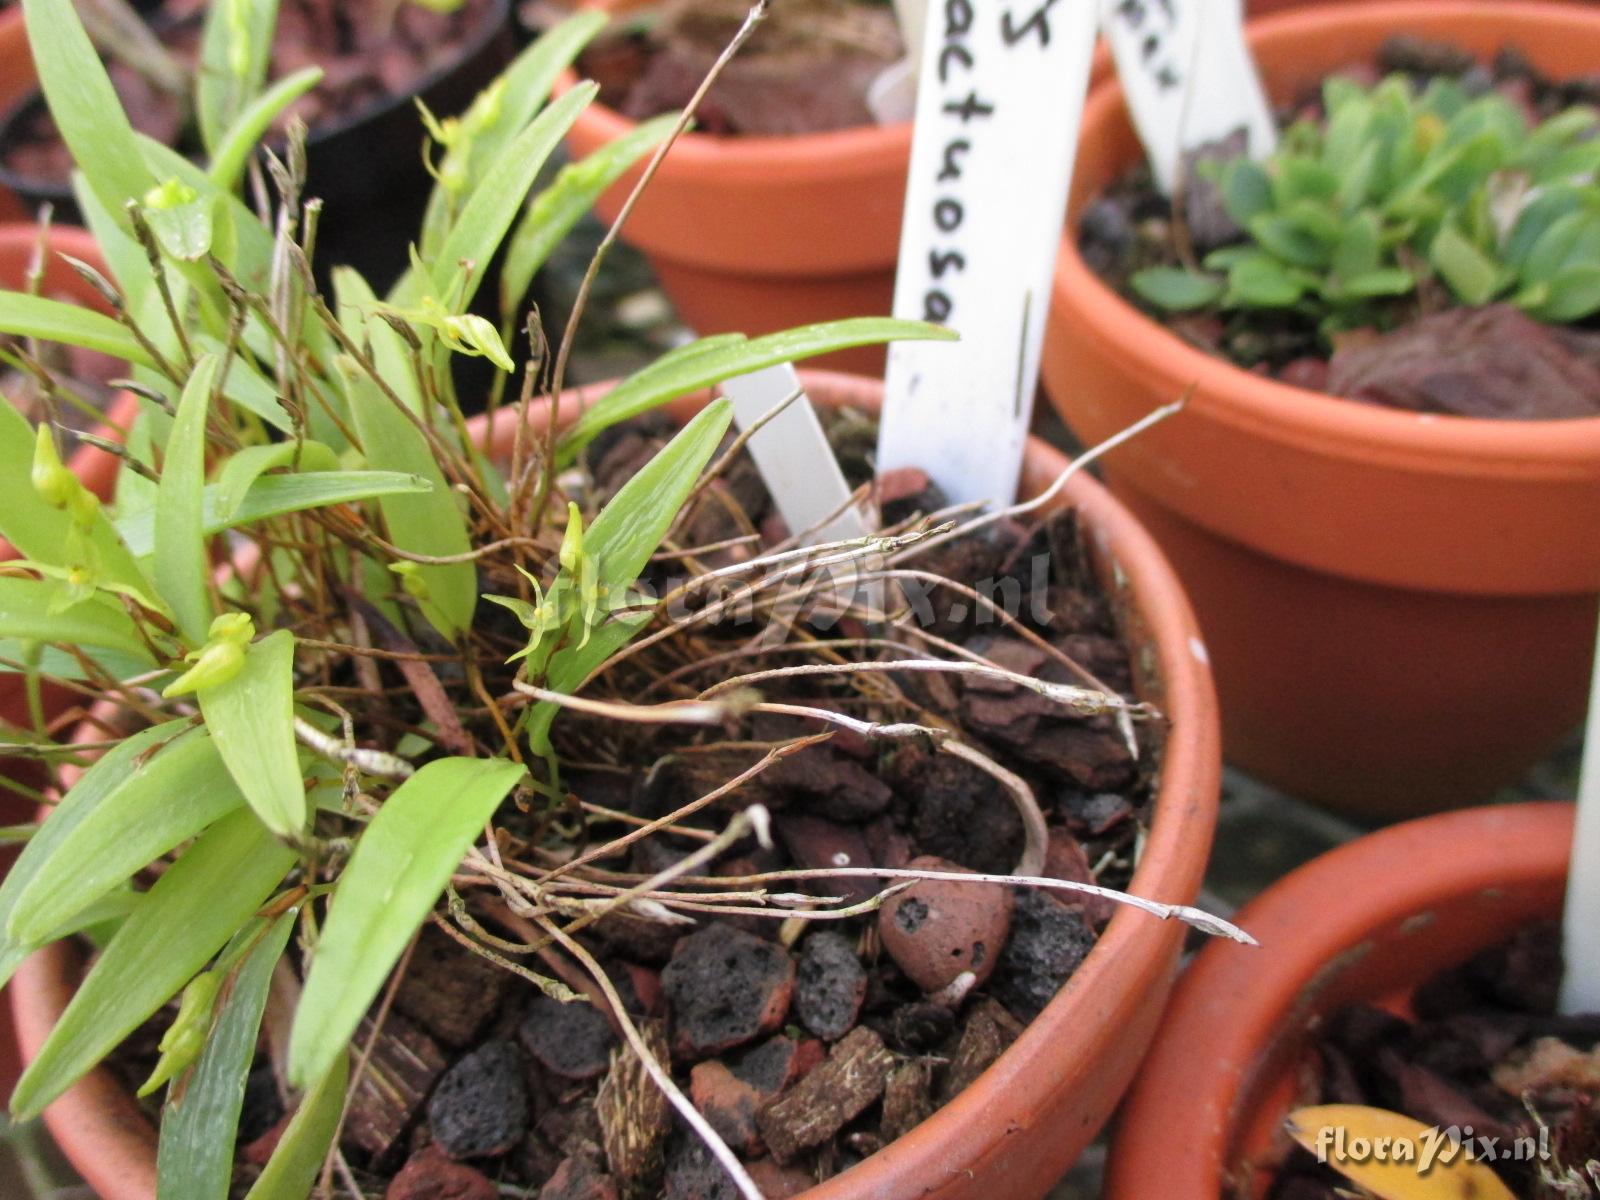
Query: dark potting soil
{"points": [[365, 55], [806, 69], [808, 1047], [1424, 355], [1486, 1050]]}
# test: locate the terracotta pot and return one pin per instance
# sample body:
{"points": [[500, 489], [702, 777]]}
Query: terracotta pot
{"points": [[757, 234], [1401, 606], [93, 466], [1018, 1128], [1365, 923], [17, 79]]}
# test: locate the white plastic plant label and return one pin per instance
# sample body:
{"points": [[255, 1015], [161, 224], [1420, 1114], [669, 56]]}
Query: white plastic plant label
{"points": [[794, 458], [1188, 76], [998, 105]]}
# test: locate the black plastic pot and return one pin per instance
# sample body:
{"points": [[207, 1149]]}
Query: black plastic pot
{"points": [[366, 167]]}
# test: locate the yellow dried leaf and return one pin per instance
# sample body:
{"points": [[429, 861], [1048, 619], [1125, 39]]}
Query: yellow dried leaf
{"points": [[1393, 1156]]}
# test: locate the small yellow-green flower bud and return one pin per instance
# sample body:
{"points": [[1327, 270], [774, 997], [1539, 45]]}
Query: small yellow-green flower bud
{"points": [[572, 540], [55, 484], [174, 193], [220, 659], [185, 1038]]}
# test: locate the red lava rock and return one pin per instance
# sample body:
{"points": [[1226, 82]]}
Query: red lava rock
{"points": [[579, 1178], [775, 1064], [816, 844], [1048, 941], [830, 985], [778, 1182], [449, 991], [959, 814], [573, 1040], [1097, 814], [1065, 859], [725, 987], [728, 1103], [693, 1174], [480, 1107], [430, 1175], [646, 986], [937, 929]]}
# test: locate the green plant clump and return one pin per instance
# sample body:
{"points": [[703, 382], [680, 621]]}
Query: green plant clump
{"points": [[252, 752], [1398, 192]]}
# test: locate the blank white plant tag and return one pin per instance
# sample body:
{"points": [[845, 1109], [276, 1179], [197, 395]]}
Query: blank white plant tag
{"points": [[1188, 76], [998, 105], [794, 458]]}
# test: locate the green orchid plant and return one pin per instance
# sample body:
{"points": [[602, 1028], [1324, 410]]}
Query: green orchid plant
{"points": [[1398, 192], [316, 445]]}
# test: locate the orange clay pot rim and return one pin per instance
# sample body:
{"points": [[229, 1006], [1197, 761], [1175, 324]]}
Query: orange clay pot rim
{"points": [[1186, 796], [1226, 391], [1453, 856], [867, 144]]}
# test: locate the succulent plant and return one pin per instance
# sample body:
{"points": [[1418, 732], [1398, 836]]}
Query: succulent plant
{"points": [[1396, 193]]}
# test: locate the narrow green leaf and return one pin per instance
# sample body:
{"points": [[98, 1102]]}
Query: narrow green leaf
{"points": [[99, 922], [25, 316], [686, 371], [425, 523], [235, 49], [199, 1123], [181, 564], [624, 536], [251, 718], [241, 471], [398, 869], [232, 153], [25, 614], [428, 522], [247, 387], [61, 665], [554, 211], [529, 79], [1176, 289], [487, 216], [102, 779], [274, 495], [84, 104], [190, 913], [291, 1172], [159, 803]]}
